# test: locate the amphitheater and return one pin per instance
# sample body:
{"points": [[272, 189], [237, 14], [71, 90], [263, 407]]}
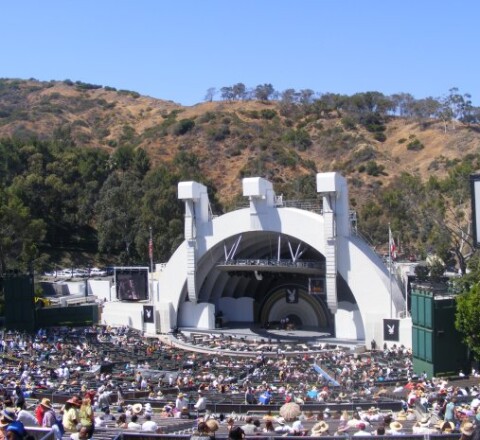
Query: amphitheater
{"points": [[272, 261]]}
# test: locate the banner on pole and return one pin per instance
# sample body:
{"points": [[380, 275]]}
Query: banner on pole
{"points": [[391, 330], [316, 286]]}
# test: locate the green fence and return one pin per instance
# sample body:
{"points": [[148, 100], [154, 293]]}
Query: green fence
{"points": [[74, 316]]}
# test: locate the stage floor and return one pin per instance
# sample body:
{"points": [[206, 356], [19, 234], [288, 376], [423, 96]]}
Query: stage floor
{"points": [[252, 332]]}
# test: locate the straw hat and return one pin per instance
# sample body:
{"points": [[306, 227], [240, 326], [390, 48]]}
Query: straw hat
{"points": [[74, 401], [447, 427], [8, 414], [402, 415], [467, 428], [137, 408], [396, 426], [424, 422], [46, 403], [180, 395], [212, 425], [319, 428]]}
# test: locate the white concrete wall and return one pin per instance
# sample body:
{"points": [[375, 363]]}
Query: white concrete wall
{"points": [[121, 313], [236, 309], [101, 289], [348, 322], [369, 281], [201, 315], [76, 287]]}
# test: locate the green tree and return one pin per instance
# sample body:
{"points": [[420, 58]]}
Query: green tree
{"points": [[264, 92], [239, 91], [117, 216], [19, 234], [210, 94], [122, 157], [467, 319]]}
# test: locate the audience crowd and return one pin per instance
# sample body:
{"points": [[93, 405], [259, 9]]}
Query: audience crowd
{"points": [[100, 381]]}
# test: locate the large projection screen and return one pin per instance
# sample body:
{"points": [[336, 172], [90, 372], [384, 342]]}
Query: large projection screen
{"points": [[131, 283], [475, 190]]}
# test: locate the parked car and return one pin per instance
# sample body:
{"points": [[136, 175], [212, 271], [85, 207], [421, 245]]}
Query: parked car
{"points": [[80, 273], [97, 272], [65, 273]]}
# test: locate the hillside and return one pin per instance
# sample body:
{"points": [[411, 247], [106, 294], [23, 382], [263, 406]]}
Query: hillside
{"points": [[285, 142], [232, 139]]}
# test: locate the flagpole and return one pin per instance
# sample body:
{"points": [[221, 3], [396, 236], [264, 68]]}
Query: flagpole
{"points": [[390, 267], [150, 250], [150, 254]]}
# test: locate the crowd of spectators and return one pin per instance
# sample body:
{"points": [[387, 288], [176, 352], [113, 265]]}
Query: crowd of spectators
{"points": [[79, 382]]}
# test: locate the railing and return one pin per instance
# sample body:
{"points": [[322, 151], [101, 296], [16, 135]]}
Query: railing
{"points": [[275, 436], [307, 205], [272, 263]]}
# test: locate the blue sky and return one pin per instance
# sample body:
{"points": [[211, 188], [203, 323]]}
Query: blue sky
{"points": [[176, 50]]}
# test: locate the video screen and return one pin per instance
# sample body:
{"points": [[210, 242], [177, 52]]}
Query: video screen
{"points": [[131, 284]]}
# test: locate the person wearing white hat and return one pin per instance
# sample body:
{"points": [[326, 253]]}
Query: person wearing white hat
{"points": [[423, 427], [148, 409], [181, 404], [201, 404]]}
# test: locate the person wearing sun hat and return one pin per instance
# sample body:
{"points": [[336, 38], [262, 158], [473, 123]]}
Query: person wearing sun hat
{"points": [[320, 429], [49, 418], [395, 427], [7, 417], [202, 432], [181, 404], [137, 408], [70, 414], [15, 430], [467, 429], [213, 426]]}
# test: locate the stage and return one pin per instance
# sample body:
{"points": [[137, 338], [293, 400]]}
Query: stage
{"points": [[250, 332]]}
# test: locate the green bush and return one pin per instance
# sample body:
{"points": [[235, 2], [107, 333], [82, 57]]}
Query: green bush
{"points": [[129, 92], [183, 126], [402, 141], [206, 117], [268, 114], [380, 136], [86, 86], [349, 123], [218, 133], [415, 145], [374, 169], [299, 138]]}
